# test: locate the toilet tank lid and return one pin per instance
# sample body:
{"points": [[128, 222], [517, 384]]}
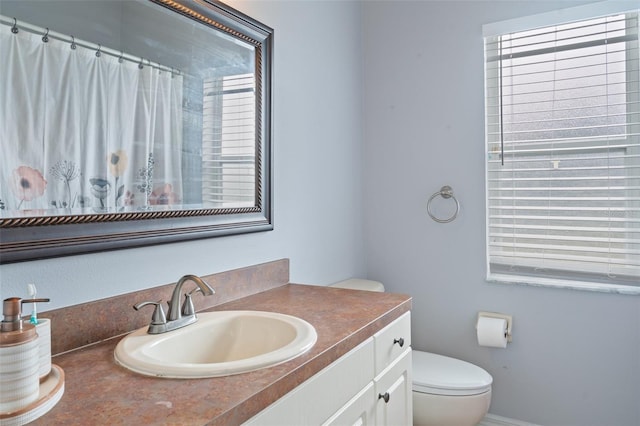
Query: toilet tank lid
{"points": [[441, 375], [360, 284]]}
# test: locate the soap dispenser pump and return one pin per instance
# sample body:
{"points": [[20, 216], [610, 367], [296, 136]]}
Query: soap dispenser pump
{"points": [[12, 329]]}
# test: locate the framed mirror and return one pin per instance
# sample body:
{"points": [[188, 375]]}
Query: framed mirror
{"points": [[126, 123]]}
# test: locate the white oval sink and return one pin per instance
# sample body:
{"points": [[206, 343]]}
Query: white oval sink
{"points": [[219, 344]]}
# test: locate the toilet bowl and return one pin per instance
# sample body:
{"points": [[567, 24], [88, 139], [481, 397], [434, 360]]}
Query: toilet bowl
{"points": [[446, 391]]}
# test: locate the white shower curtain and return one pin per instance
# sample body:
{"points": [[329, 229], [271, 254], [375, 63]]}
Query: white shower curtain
{"points": [[81, 132]]}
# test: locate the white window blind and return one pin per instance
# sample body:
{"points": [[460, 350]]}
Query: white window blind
{"points": [[563, 149], [228, 140]]}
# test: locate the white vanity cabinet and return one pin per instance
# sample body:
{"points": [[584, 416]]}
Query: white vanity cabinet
{"points": [[370, 385]]}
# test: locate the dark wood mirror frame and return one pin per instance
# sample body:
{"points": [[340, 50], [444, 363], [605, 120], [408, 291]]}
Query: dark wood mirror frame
{"points": [[35, 237]]}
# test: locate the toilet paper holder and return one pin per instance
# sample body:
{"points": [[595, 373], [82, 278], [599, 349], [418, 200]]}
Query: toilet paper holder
{"points": [[508, 318]]}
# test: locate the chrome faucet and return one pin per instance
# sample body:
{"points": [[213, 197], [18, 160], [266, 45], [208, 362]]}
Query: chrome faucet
{"points": [[177, 316]]}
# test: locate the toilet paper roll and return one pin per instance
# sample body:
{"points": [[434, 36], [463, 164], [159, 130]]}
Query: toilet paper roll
{"points": [[492, 332]]}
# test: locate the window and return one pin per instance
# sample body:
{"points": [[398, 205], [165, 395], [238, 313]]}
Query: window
{"points": [[563, 153], [228, 157]]}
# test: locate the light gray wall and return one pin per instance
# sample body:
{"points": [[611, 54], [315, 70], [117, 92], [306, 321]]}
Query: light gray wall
{"points": [[575, 359], [575, 356], [317, 160]]}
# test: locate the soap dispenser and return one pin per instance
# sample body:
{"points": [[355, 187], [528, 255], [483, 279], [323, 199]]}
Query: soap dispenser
{"points": [[19, 357]]}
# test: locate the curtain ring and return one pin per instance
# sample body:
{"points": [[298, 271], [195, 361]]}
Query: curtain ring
{"points": [[45, 38], [445, 192], [121, 58], [73, 43], [140, 66], [98, 53], [15, 29]]}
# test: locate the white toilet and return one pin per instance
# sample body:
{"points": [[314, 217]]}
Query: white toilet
{"points": [[446, 391]]}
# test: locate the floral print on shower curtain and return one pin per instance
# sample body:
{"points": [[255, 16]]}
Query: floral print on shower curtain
{"points": [[85, 132]]}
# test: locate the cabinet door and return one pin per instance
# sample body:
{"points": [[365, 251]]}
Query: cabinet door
{"points": [[393, 391], [318, 398], [360, 411]]}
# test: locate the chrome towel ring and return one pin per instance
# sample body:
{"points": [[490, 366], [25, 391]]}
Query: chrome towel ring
{"points": [[445, 192]]}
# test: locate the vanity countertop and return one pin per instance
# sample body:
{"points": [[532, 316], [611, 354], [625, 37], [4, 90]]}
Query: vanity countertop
{"points": [[99, 392]]}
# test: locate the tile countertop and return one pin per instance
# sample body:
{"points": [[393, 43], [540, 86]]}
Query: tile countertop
{"points": [[99, 392]]}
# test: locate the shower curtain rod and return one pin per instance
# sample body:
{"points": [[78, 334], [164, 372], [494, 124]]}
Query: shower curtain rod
{"points": [[16, 26]]}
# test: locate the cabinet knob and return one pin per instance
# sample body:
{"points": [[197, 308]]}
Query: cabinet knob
{"points": [[384, 396], [399, 341]]}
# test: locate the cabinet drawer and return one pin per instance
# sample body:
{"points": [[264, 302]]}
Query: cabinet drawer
{"points": [[392, 341]]}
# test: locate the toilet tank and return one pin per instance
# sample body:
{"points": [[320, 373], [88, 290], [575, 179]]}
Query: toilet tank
{"points": [[360, 284]]}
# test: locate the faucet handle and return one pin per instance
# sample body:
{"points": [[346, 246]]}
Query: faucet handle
{"points": [[187, 306], [158, 316]]}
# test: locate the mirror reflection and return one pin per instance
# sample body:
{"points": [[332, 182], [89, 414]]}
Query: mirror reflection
{"points": [[123, 106]]}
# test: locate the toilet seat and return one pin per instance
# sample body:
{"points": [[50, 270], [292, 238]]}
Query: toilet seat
{"points": [[441, 375]]}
